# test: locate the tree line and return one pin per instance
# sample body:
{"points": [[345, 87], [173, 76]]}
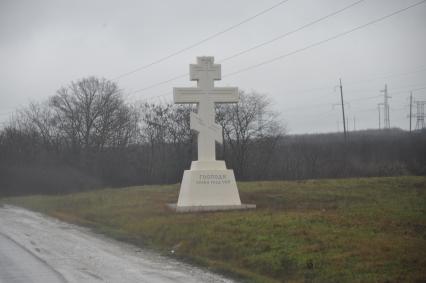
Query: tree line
{"points": [[87, 136]]}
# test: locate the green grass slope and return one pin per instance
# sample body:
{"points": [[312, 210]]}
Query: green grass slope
{"points": [[362, 230]]}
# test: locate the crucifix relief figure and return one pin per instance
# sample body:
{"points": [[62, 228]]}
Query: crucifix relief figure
{"points": [[205, 95]]}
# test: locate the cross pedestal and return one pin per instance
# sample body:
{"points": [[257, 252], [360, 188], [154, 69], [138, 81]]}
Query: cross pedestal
{"points": [[208, 185]]}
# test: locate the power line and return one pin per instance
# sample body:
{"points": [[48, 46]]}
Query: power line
{"points": [[405, 91], [420, 114], [323, 41], [397, 91], [159, 83], [343, 109], [156, 96], [295, 108], [366, 110], [300, 50], [290, 32], [259, 45], [417, 70], [399, 108], [201, 41], [324, 114], [386, 107], [364, 98]]}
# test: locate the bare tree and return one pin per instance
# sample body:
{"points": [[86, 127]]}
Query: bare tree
{"points": [[154, 131], [251, 120], [92, 114], [40, 118]]}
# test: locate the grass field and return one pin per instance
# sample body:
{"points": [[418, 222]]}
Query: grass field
{"points": [[362, 230]]}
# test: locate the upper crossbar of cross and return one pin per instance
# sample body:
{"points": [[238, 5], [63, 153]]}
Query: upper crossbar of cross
{"points": [[205, 95]]}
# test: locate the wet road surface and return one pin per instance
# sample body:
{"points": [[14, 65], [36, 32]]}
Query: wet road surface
{"points": [[36, 248], [17, 264]]}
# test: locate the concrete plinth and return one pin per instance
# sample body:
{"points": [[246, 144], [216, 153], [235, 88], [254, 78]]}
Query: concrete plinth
{"points": [[209, 186]]}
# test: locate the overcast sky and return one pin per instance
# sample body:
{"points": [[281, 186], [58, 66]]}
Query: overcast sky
{"points": [[46, 44]]}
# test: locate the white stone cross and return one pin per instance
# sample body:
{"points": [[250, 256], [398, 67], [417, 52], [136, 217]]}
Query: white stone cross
{"points": [[205, 95]]}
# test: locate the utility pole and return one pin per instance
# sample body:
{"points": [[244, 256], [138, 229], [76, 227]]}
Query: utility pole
{"points": [[411, 107], [380, 118], [420, 114], [343, 109], [386, 107]]}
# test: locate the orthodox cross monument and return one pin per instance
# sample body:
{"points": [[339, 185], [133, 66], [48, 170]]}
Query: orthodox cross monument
{"points": [[208, 185]]}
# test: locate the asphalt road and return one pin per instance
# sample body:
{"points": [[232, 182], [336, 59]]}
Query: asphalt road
{"points": [[17, 264], [36, 248]]}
